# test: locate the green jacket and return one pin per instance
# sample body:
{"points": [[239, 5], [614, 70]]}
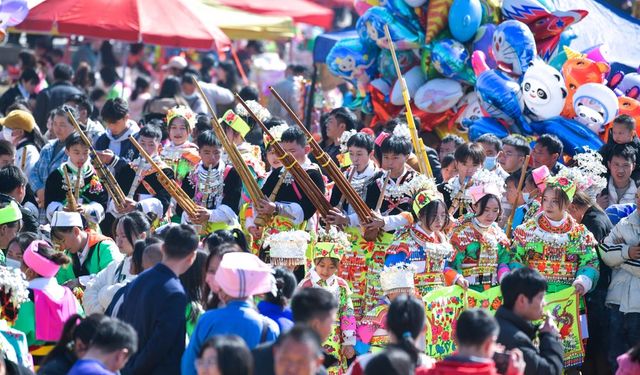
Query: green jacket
{"points": [[102, 251]]}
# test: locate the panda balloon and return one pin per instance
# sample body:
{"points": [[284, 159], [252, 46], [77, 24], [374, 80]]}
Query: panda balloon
{"points": [[595, 105], [543, 91]]}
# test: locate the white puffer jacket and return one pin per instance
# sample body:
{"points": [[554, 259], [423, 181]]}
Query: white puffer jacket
{"points": [[625, 278], [101, 289]]}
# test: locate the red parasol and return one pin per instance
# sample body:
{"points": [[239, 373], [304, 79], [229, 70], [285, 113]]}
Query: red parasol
{"points": [[300, 10], [176, 23]]}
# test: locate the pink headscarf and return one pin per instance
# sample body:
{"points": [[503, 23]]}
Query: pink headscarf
{"points": [[41, 265], [243, 275], [539, 175], [479, 191]]}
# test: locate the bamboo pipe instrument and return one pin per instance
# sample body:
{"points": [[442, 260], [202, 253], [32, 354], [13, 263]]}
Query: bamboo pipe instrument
{"points": [[248, 180], [334, 172], [171, 186], [72, 203], [301, 177], [108, 181]]}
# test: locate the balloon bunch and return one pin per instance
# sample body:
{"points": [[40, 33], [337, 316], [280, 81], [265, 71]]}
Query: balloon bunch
{"points": [[478, 66]]}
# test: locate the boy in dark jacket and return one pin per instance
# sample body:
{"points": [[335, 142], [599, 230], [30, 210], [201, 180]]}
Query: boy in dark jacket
{"points": [[523, 292], [623, 132]]}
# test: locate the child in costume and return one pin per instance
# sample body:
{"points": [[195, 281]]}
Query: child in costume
{"points": [[91, 196], [469, 158], [424, 243], [327, 254], [395, 209], [237, 125], [50, 304], [139, 181], [553, 243], [372, 333], [482, 249], [180, 154], [215, 188], [89, 251], [353, 267], [288, 205]]}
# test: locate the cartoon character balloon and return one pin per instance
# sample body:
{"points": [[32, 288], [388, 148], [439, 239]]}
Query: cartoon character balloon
{"points": [[406, 60], [595, 105], [414, 79], [543, 91], [370, 28], [353, 61], [576, 72], [513, 47], [438, 95], [499, 96], [451, 59], [630, 85], [483, 42]]}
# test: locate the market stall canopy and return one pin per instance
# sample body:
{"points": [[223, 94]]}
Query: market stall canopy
{"points": [[300, 10], [176, 23], [238, 24]]}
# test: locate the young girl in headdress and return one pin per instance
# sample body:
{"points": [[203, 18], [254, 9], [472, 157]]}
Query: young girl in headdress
{"points": [[180, 154], [424, 243], [328, 252], [482, 255]]}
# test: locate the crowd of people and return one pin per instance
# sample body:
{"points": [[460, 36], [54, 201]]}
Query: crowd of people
{"points": [[134, 241]]}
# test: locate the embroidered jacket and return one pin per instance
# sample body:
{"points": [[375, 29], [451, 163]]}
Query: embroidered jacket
{"points": [[430, 253], [181, 159], [482, 255], [396, 205], [562, 252], [92, 195]]}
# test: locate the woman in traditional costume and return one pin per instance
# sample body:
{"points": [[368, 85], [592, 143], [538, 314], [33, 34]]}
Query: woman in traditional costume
{"points": [[482, 255], [424, 243], [181, 155]]}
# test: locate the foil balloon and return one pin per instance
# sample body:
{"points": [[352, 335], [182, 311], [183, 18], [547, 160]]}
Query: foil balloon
{"points": [[451, 59], [406, 60], [414, 79], [362, 6], [598, 53], [468, 108], [595, 106], [465, 16], [573, 134], [400, 8], [437, 14], [526, 11], [548, 30], [438, 95], [12, 12], [499, 95], [543, 91], [353, 61], [484, 125], [513, 47], [415, 3], [370, 27], [576, 72], [482, 42], [630, 85]]}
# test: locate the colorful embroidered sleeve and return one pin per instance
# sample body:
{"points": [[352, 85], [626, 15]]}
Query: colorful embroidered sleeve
{"points": [[346, 315], [588, 264], [399, 251]]}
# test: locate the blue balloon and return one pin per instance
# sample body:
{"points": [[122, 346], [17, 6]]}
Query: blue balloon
{"points": [[501, 98], [370, 28], [514, 47], [399, 8], [451, 59], [485, 125], [352, 60], [573, 134], [465, 17]]}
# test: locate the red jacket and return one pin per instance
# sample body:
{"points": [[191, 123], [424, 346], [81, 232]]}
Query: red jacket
{"points": [[451, 367]]}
